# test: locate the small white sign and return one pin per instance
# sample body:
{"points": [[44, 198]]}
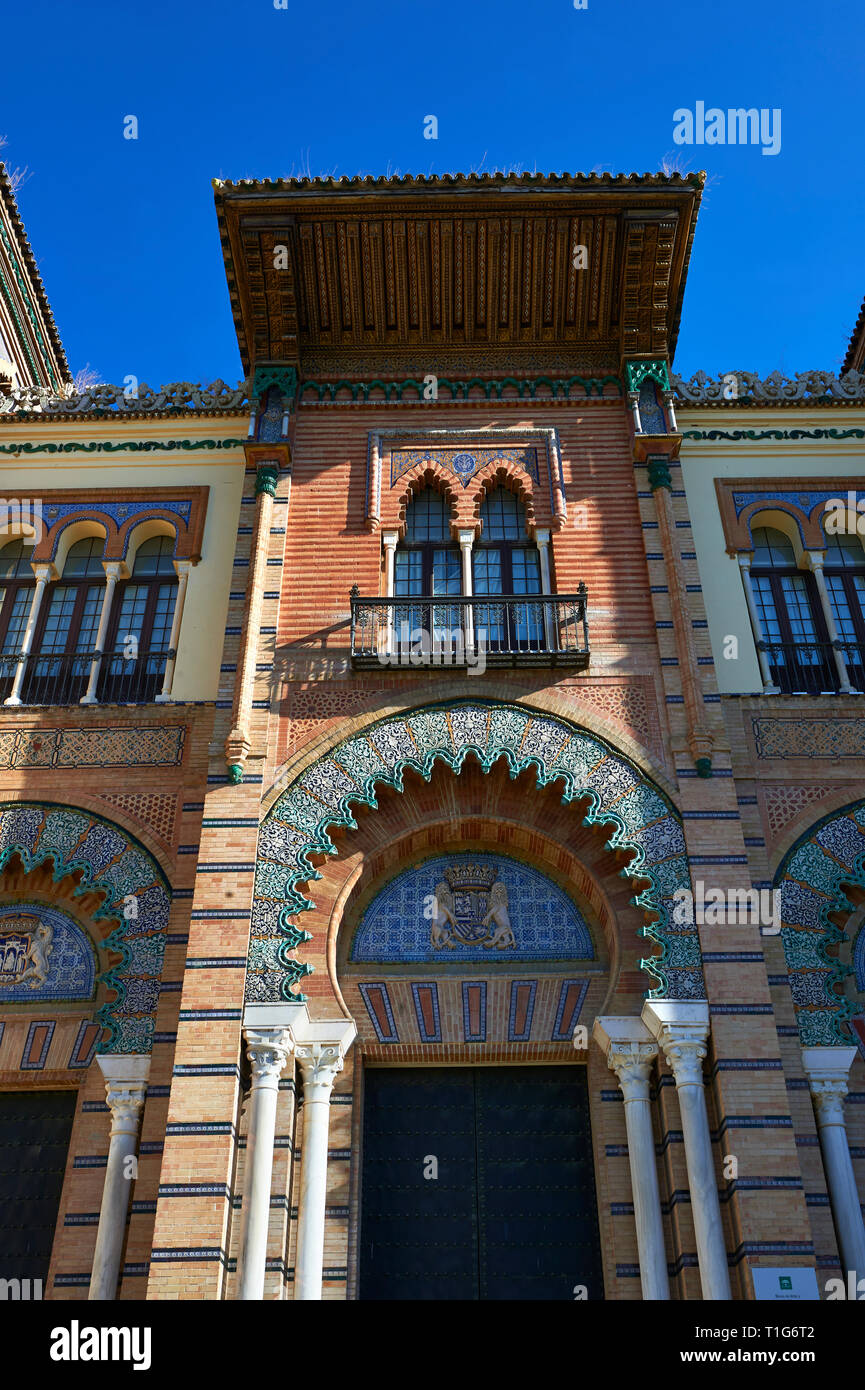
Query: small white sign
{"points": [[791, 1285]]}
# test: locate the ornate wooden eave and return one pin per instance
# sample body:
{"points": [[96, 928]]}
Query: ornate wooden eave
{"points": [[371, 271], [27, 324]]}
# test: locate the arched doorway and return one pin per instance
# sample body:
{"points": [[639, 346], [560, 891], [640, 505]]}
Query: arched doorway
{"points": [[478, 779]]}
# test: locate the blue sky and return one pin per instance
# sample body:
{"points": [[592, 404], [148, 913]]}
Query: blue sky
{"points": [[125, 231]]}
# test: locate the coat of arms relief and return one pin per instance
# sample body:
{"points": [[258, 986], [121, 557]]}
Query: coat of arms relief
{"points": [[25, 945], [470, 908]]}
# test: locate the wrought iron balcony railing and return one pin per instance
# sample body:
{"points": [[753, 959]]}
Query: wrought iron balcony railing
{"points": [[64, 680], [484, 630], [809, 668]]}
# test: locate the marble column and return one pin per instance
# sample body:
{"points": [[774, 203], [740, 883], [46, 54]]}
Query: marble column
{"points": [[43, 574], [114, 570], [126, 1089], [389, 540], [542, 541], [183, 568], [466, 540], [827, 1070], [320, 1057], [681, 1029], [630, 1051], [268, 1050]]}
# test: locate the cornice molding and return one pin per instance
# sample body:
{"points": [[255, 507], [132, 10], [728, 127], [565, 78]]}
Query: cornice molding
{"points": [[110, 401], [734, 389]]}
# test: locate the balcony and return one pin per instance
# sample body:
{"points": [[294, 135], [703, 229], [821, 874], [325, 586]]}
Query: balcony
{"points": [[485, 630], [809, 668], [64, 680]]}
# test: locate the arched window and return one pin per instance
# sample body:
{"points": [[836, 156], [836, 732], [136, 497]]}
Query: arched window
{"points": [[427, 560], [797, 647], [427, 565], [140, 627], [17, 582], [844, 568], [65, 639], [506, 562]]}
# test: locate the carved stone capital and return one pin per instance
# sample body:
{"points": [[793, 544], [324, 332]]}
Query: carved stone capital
{"points": [[827, 1070], [126, 1103], [684, 1057], [320, 1064], [125, 1090], [632, 1063], [268, 1050], [828, 1097], [681, 1029]]}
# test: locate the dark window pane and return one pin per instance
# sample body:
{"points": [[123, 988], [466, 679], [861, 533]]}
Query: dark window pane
{"points": [[427, 517], [85, 558], [154, 557], [17, 620], [772, 549], [15, 561], [503, 516], [844, 551], [60, 609]]}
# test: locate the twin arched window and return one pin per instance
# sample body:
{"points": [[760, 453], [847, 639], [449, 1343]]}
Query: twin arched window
{"points": [[795, 628], [67, 625], [505, 562]]}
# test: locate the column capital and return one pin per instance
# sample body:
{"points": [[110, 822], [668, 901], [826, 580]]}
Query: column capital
{"points": [[320, 1048], [542, 535], [268, 1050], [44, 571], [390, 539], [632, 1063], [745, 558], [115, 569], [827, 1070], [125, 1089], [630, 1051], [466, 538], [814, 559], [681, 1029], [320, 1063]]}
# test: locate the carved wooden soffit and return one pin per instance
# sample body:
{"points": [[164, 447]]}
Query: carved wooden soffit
{"points": [[485, 265]]}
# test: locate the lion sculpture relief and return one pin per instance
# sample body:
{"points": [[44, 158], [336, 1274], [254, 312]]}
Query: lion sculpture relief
{"points": [[503, 936]]}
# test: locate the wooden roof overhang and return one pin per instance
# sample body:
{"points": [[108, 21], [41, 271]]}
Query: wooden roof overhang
{"points": [[325, 272]]}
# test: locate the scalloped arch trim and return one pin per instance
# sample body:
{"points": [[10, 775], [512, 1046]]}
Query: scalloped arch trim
{"points": [[809, 879], [641, 818], [113, 862]]}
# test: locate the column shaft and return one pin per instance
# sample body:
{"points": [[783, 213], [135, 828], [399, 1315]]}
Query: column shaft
{"points": [[827, 1069], [319, 1065], [126, 1089], [43, 573], [630, 1052], [681, 1029], [268, 1051]]}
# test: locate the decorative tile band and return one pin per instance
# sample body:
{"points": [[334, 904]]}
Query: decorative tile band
{"points": [[159, 745]]}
